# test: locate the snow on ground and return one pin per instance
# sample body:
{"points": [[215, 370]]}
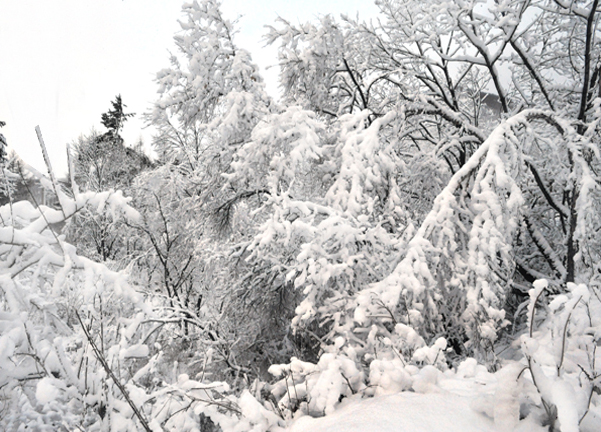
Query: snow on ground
{"points": [[468, 399], [406, 412]]}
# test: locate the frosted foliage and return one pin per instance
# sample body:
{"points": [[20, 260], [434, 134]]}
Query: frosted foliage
{"points": [[367, 167], [209, 79], [282, 151], [309, 56]]}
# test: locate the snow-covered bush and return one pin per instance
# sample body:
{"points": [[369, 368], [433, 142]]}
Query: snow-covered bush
{"points": [[49, 377], [562, 356]]}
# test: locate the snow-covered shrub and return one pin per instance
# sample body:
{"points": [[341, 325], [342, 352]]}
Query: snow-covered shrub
{"points": [[346, 369], [80, 345], [49, 377], [315, 389], [562, 356]]}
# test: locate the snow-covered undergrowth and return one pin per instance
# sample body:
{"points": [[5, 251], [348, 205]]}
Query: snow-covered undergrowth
{"points": [[551, 379], [64, 364], [78, 346]]}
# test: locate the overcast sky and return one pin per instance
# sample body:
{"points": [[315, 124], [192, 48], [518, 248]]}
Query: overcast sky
{"points": [[63, 61]]}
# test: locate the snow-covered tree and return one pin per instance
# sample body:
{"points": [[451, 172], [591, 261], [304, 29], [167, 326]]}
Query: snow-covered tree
{"points": [[494, 113], [209, 101], [103, 161], [210, 78]]}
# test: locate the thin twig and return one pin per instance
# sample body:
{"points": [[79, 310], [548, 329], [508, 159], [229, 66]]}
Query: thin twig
{"points": [[110, 373], [38, 131]]}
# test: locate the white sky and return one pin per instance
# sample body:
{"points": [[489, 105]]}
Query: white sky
{"points": [[62, 62]]}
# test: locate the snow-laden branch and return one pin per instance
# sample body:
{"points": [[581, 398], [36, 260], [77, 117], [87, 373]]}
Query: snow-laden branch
{"points": [[481, 206]]}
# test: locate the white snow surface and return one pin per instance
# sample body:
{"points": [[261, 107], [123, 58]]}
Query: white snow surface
{"points": [[401, 412], [468, 399]]}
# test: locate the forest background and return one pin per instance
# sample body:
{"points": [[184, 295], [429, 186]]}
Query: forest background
{"points": [[422, 201]]}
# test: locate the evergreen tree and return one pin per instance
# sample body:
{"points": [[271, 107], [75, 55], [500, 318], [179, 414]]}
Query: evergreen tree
{"points": [[114, 120]]}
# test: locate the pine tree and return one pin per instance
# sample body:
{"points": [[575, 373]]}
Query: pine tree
{"points": [[114, 120]]}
